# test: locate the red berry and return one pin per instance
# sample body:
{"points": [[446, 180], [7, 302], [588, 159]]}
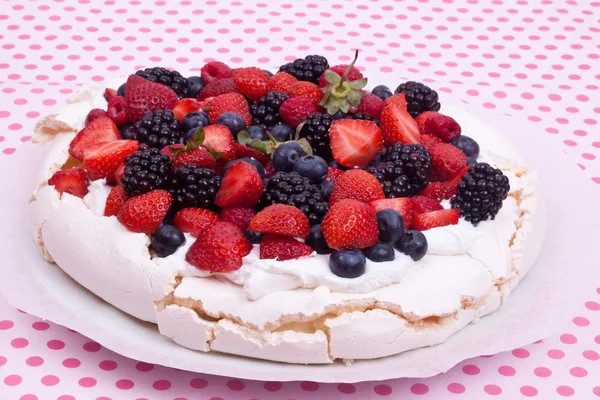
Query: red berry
{"points": [[219, 249], [354, 143], [116, 111], [428, 141], [422, 204], [403, 205], [114, 202], [100, 130], [73, 181], [240, 216], [94, 114], [282, 248], [218, 138], [435, 219], [421, 118], [442, 126], [371, 105], [333, 175], [353, 75], [358, 185], [145, 213], [102, 160], [242, 186], [443, 190], [307, 89], [198, 155], [296, 109], [281, 219], [269, 170], [215, 70], [350, 224], [217, 88], [280, 82], [229, 102], [246, 151], [398, 99], [109, 94], [447, 161], [117, 176], [142, 96], [251, 82], [398, 126], [194, 220], [184, 107]]}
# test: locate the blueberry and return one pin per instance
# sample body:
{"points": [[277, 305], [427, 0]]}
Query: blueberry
{"points": [[121, 90], [194, 119], [282, 132], [382, 91], [334, 164], [466, 145], [311, 167], [233, 121], [347, 263], [471, 161], [195, 86], [253, 236], [380, 252], [391, 225], [268, 72], [326, 188], [166, 240], [249, 160], [413, 244], [316, 240], [337, 115], [125, 131], [285, 155], [257, 132]]}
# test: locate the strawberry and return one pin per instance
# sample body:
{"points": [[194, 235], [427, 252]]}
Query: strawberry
{"points": [[280, 82], [447, 161], [371, 105], [109, 94], [403, 205], [281, 219], [184, 107], [398, 126], [142, 96], [100, 130], [350, 224], [194, 220], [358, 185], [353, 75], [246, 151], [435, 219], [282, 248], [198, 155], [333, 175], [116, 179], [296, 109], [102, 160], [94, 114], [251, 82], [219, 249], [217, 88], [116, 111], [442, 126], [307, 89], [428, 141], [229, 102], [354, 142], [240, 216], [218, 138], [73, 181], [215, 70], [422, 204], [145, 213], [421, 118], [399, 99], [241, 186], [269, 170], [443, 190], [115, 200]]}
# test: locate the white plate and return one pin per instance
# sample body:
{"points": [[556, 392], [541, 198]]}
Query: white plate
{"points": [[562, 273]]}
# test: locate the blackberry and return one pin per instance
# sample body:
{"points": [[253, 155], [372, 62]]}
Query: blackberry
{"points": [[366, 117], [293, 189], [157, 128], [194, 186], [419, 98], [172, 79], [404, 169], [265, 112], [481, 192], [145, 170], [309, 68], [316, 131]]}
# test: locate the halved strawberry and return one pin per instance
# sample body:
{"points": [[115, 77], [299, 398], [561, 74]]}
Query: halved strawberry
{"points": [[251, 82], [350, 224], [142, 96], [242, 186], [145, 213], [194, 220], [73, 181], [246, 151], [399, 99], [94, 114], [282, 248], [229, 102], [358, 185], [280, 219], [241, 216], [100, 130], [443, 190], [218, 138], [184, 107], [397, 125], [435, 219], [403, 205], [103, 160], [422, 204], [114, 202], [354, 143]]}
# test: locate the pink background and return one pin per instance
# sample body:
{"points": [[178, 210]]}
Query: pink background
{"points": [[531, 59]]}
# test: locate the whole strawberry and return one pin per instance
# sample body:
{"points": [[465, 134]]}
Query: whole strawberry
{"points": [[241, 216], [281, 219], [115, 200], [282, 248], [358, 185], [142, 96], [447, 161], [350, 224], [215, 70], [217, 88], [220, 248], [145, 213], [251, 82], [353, 75], [229, 102], [194, 220], [295, 110], [333, 175], [428, 141], [371, 105], [280, 82], [307, 89]]}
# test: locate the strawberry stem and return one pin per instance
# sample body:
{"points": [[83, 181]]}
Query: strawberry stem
{"points": [[347, 71]]}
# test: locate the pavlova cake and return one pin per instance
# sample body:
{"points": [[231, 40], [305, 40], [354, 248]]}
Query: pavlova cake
{"points": [[294, 217]]}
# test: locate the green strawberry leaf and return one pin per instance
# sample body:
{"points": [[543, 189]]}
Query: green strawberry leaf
{"points": [[258, 145], [332, 77], [215, 154], [244, 138], [305, 146], [298, 129], [358, 84], [354, 98], [199, 136], [345, 107]]}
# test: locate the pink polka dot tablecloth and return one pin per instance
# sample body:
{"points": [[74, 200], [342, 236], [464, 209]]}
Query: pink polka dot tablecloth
{"points": [[533, 59]]}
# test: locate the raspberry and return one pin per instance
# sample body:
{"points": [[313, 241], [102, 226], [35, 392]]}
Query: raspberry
{"points": [[215, 70]]}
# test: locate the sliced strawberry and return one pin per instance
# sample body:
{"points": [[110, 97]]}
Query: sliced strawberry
{"points": [[422, 204], [73, 181], [399, 99], [94, 114], [117, 177], [435, 219], [398, 126], [103, 160], [246, 151], [251, 82], [242, 186], [354, 143], [447, 161], [241, 216], [443, 190], [114, 202], [358, 185], [421, 118], [142, 96], [194, 220], [282, 248], [280, 219], [350, 224], [229, 102], [184, 107], [218, 138], [145, 213], [100, 130], [403, 205]]}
